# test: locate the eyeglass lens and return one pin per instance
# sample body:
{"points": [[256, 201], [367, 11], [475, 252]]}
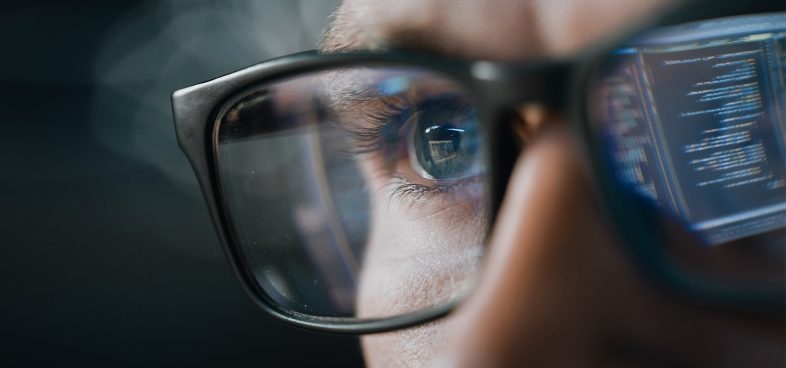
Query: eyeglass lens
{"points": [[356, 192], [693, 118]]}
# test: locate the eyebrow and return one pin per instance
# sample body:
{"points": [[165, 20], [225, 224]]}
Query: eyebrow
{"points": [[337, 41], [336, 37], [342, 34], [349, 31]]}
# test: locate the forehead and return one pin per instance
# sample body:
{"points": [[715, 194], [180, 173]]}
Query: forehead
{"points": [[488, 29]]}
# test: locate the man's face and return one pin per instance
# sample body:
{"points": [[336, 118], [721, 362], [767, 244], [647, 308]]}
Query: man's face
{"points": [[555, 289]]}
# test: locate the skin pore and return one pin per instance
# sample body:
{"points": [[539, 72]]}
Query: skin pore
{"points": [[556, 289]]}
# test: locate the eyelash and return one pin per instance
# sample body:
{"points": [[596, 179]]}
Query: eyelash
{"points": [[405, 190], [384, 135]]}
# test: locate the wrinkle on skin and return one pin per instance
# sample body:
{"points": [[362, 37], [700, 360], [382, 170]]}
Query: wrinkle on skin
{"points": [[458, 205]]}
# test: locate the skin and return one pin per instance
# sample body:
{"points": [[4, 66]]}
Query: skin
{"points": [[546, 296]]}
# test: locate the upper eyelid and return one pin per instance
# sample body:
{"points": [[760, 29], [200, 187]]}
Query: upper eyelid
{"points": [[393, 110], [380, 131], [375, 129], [344, 87], [383, 106]]}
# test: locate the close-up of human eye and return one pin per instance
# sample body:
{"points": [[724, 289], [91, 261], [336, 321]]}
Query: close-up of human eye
{"points": [[444, 141], [417, 134], [424, 145]]}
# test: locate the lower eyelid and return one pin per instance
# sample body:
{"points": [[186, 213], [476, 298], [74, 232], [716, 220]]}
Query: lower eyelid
{"points": [[403, 189], [436, 205], [415, 192]]}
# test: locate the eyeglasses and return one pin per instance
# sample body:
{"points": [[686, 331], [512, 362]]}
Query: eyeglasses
{"points": [[354, 192]]}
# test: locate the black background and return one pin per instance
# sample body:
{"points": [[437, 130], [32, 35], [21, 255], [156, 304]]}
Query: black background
{"points": [[108, 255]]}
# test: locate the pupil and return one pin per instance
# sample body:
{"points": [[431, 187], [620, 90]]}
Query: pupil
{"points": [[444, 144]]}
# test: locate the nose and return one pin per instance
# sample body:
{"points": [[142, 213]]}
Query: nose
{"points": [[557, 289], [534, 299]]}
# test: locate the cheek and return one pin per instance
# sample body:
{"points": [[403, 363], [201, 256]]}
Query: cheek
{"points": [[415, 260], [413, 347]]}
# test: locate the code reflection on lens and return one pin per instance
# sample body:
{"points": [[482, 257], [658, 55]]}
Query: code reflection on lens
{"points": [[694, 117]]}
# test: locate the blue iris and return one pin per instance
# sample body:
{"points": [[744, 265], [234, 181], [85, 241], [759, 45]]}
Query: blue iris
{"points": [[445, 139]]}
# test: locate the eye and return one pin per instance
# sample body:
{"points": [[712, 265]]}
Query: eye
{"points": [[444, 140]]}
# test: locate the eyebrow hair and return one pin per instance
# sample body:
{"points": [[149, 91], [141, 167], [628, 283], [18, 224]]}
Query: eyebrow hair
{"points": [[337, 36], [342, 34], [349, 29]]}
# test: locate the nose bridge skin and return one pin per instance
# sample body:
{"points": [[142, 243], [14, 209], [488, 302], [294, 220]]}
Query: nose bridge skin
{"points": [[558, 291]]}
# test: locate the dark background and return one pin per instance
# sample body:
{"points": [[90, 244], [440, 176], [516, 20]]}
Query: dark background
{"points": [[108, 255]]}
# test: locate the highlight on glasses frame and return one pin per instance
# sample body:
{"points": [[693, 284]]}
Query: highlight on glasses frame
{"points": [[353, 193]]}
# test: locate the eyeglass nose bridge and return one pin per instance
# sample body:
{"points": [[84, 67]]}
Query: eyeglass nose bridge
{"points": [[509, 85], [502, 89]]}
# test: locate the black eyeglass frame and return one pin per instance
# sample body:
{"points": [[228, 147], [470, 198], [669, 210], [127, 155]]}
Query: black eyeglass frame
{"points": [[495, 87]]}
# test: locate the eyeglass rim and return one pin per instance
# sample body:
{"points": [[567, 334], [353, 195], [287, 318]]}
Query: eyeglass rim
{"points": [[195, 111]]}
